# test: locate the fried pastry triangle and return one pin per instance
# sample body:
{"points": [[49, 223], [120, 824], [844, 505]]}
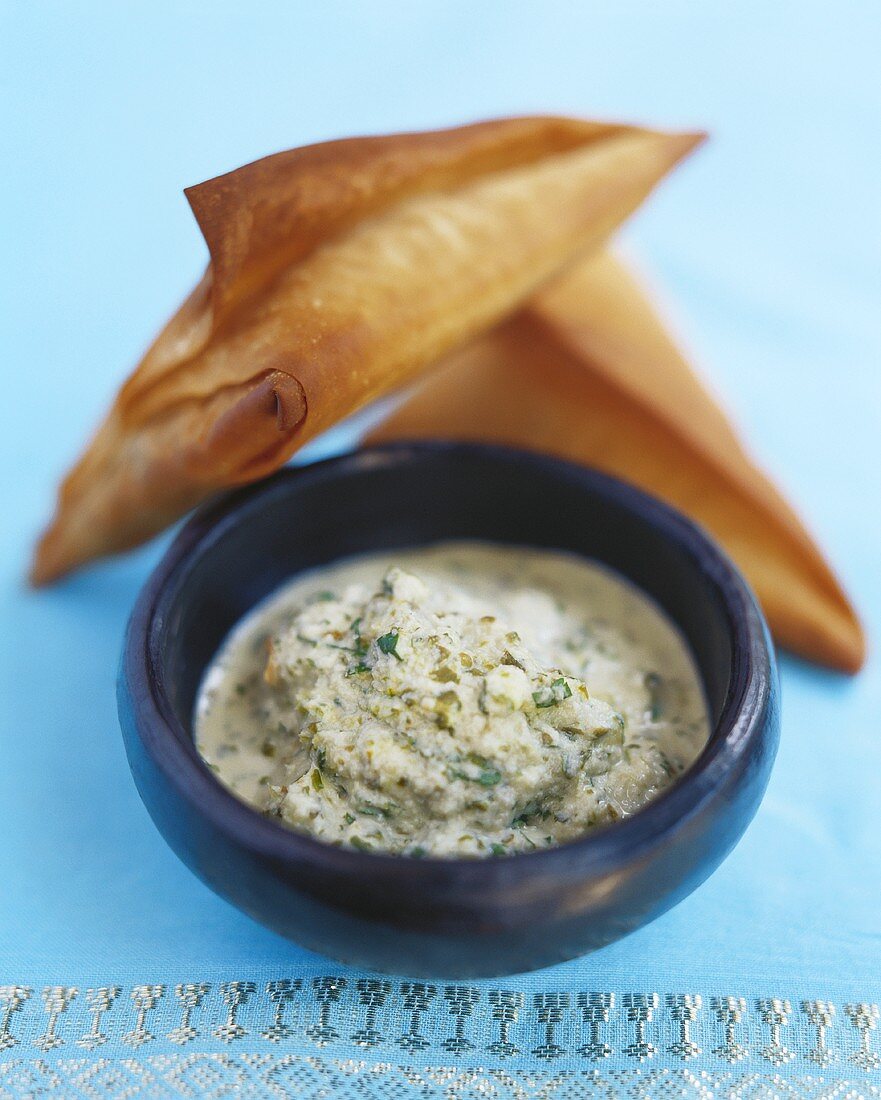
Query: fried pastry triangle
{"points": [[587, 371], [337, 272]]}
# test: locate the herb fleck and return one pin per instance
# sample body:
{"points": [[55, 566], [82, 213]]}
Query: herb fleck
{"points": [[531, 809], [489, 774], [360, 645], [372, 810], [654, 684], [551, 696], [388, 644]]}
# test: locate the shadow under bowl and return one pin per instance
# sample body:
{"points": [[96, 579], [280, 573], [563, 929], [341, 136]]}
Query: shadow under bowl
{"points": [[433, 917]]}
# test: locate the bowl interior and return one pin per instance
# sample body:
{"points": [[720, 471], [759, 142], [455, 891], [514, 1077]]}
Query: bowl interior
{"points": [[238, 551]]}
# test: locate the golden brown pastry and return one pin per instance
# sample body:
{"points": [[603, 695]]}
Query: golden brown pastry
{"points": [[337, 272], [587, 371]]}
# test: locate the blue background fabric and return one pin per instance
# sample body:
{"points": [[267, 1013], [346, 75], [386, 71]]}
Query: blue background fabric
{"points": [[766, 247]]}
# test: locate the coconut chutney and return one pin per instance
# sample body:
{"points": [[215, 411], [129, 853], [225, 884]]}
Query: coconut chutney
{"points": [[461, 700]]}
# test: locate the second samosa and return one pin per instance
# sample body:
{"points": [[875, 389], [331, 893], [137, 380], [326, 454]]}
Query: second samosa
{"points": [[587, 371]]}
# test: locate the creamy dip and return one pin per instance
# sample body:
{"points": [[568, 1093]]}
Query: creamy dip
{"points": [[465, 699]]}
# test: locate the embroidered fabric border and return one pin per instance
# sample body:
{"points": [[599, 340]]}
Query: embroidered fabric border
{"points": [[290, 1075], [433, 1022]]}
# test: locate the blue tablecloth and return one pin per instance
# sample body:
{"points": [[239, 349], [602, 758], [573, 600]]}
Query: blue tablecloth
{"points": [[120, 974]]}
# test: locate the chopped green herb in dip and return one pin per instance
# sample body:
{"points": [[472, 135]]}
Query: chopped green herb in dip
{"points": [[464, 700]]}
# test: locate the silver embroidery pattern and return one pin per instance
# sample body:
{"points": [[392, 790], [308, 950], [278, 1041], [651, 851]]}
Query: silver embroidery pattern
{"points": [[372, 994], [684, 1008], [864, 1017], [145, 997], [12, 998], [56, 999], [775, 1012], [551, 1010], [573, 1031], [328, 992], [281, 992], [222, 1075], [596, 1008], [822, 1015], [417, 998], [190, 995], [730, 1012], [99, 1001], [235, 994], [461, 1000], [506, 1006], [640, 1009]]}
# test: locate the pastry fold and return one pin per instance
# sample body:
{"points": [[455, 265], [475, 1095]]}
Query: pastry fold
{"points": [[587, 371], [337, 272]]}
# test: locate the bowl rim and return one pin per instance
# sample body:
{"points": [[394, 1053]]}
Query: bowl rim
{"points": [[172, 748]]}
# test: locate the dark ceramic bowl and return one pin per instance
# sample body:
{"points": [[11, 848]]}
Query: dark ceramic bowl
{"points": [[433, 917]]}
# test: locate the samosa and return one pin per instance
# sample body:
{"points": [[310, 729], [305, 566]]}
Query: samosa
{"points": [[337, 272], [587, 371]]}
